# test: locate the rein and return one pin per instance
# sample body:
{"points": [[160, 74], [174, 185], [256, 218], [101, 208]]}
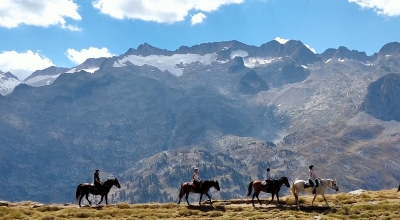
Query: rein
{"points": [[325, 185]]}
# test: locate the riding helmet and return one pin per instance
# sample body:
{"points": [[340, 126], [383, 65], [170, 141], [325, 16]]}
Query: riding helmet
{"points": [[311, 166]]}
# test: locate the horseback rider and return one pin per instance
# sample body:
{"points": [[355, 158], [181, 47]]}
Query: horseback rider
{"points": [[196, 179], [270, 181], [313, 178], [97, 181]]}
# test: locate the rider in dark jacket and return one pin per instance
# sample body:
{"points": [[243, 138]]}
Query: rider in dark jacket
{"points": [[97, 181]]}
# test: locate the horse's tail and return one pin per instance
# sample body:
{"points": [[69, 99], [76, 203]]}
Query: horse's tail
{"points": [[293, 188], [78, 191], [249, 188], [181, 190]]}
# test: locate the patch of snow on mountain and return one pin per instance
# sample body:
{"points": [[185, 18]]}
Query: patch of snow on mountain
{"points": [[238, 53], [39, 80], [168, 63], [89, 70], [305, 67], [7, 86], [328, 61], [252, 62], [73, 70]]}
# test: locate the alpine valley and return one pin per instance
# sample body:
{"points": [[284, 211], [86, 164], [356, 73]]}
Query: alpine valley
{"points": [[149, 116]]}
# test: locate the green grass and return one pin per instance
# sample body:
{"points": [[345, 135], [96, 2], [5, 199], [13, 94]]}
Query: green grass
{"points": [[383, 204]]}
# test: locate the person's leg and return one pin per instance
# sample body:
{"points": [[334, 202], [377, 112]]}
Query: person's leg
{"points": [[314, 185]]}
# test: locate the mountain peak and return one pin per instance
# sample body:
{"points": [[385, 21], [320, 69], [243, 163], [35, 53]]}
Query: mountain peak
{"points": [[147, 50], [8, 75], [390, 48], [49, 71]]}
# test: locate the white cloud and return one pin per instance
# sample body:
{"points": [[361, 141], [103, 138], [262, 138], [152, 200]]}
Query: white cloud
{"points": [[198, 18], [79, 57], [281, 40], [381, 7], [38, 13], [23, 64], [162, 11]]}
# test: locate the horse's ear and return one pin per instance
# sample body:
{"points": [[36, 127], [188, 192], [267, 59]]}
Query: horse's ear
{"points": [[116, 179]]}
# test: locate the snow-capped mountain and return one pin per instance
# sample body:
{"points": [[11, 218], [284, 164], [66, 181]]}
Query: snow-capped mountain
{"points": [[150, 114], [7, 82]]}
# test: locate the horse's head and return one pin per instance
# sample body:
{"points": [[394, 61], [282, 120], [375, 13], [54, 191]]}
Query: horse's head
{"points": [[285, 181], [112, 182], [216, 185], [335, 185], [116, 183]]}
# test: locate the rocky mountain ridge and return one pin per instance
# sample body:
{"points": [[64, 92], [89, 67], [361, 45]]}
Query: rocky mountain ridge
{"points": [[150, 115]]}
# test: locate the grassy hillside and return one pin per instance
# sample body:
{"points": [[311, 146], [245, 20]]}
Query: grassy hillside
{"points": [[384, 204]]}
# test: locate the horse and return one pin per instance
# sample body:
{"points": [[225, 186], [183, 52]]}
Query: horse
{"points": [[86, 188], [258, 187], [187, 187], [301, 185], [398, 189]]}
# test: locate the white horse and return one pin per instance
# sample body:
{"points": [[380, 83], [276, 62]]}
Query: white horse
{"points": [[301, 185]]}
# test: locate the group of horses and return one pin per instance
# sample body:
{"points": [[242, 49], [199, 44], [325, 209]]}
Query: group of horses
{"points": [[296, 188]]}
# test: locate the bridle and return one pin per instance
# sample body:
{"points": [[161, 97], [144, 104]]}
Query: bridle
{"points": [[326, 186]]}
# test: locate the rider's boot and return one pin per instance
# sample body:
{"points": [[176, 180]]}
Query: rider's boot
{"points": [[314, 189]]}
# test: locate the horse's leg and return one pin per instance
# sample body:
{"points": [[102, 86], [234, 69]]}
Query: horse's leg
{"points": [[187, 198], [325, 200], [201, 196], [258, 198], [296, 198], [272, 195], [80, 198], [277, 197], [106, 198], [87, 198], [180, 195], [209, 197], [312, 203], [101, 199], [252, 199]]}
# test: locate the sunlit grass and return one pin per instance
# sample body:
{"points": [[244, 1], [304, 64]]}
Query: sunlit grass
{"points": [[383, 204]]}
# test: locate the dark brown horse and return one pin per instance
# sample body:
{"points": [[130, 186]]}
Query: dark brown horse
{"points": [[205, 187], [260, 187], [398, 189], [84, 189]]}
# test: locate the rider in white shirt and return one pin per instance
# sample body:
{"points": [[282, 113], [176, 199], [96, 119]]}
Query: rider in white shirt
{"points": [[196, 179], [269, 179], [313, 177]]}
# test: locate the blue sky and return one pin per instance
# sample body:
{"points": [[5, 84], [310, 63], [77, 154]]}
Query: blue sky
{"points": [[38, 34]]}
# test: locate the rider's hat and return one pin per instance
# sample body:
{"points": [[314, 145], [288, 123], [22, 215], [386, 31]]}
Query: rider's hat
{"points": [[97, 170], [268, 169], [196, 168], [311, 166]]}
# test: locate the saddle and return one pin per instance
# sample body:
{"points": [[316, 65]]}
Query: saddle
{"points": [[310, 183]]}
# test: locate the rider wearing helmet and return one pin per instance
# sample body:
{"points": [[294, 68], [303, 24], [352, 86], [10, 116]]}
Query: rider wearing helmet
{"points": [[196, 179], [313, 177]]}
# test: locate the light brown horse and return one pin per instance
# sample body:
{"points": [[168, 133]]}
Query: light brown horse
{"points": [[84, 189], [260, 187], [205, 187]]}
